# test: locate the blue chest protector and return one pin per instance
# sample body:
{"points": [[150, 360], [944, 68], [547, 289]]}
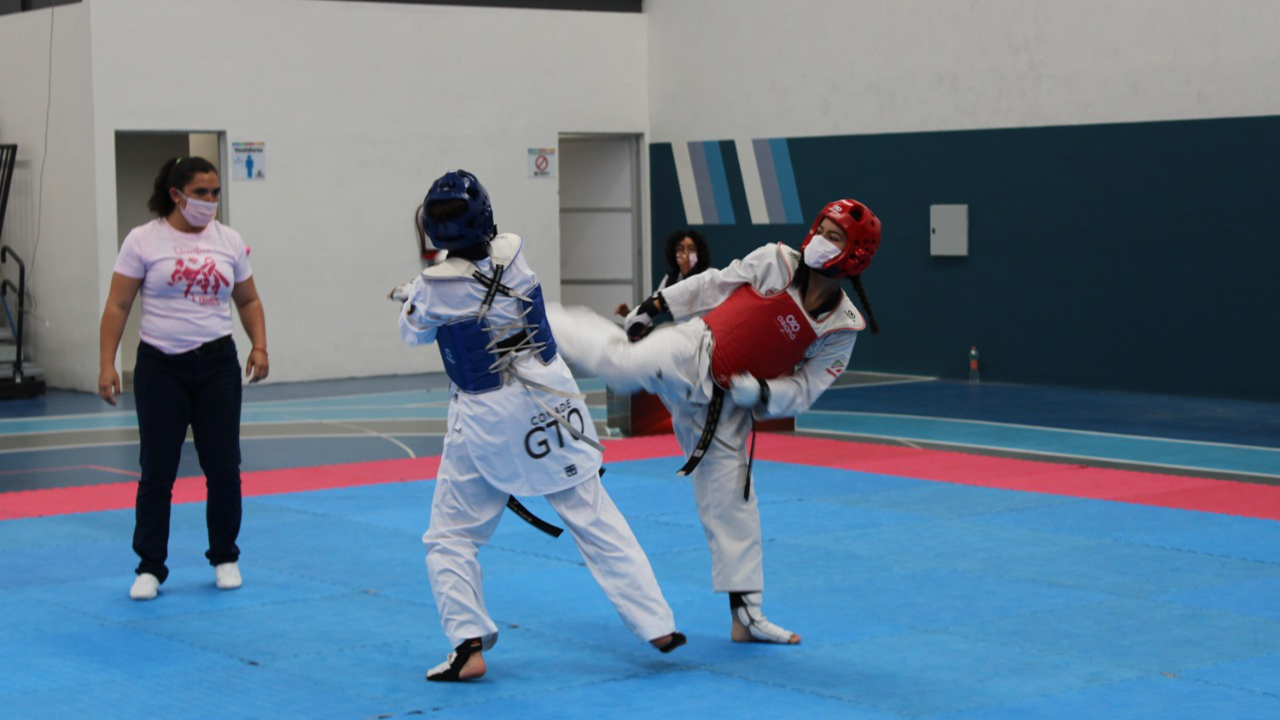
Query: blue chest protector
{"points": [[473, 358]]}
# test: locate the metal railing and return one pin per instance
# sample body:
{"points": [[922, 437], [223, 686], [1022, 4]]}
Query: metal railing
{"points": [[21, 290], [8, 159]]}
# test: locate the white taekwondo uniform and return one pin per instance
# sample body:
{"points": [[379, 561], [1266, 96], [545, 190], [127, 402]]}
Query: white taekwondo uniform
{"points": [[507, 438], [760, 326]]}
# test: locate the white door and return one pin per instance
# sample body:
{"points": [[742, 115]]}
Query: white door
{"points": [[600, 251]]}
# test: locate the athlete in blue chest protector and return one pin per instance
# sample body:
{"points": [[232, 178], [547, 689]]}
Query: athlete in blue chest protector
{"points": [[517, 426]]}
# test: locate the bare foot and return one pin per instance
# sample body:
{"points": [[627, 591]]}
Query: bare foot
{"points": [[448, 671], [474, 667]]}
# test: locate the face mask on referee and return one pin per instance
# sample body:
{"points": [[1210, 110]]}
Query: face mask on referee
{"points": [[198, 212]]}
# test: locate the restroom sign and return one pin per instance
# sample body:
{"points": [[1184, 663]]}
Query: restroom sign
{"points": [[248, 161], [542, 162]]}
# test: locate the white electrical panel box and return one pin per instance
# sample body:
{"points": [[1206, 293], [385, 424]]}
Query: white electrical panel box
{"points": [[949, 230]]}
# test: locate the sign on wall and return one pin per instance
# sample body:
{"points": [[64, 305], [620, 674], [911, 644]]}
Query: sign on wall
{"points": [[248, 160], [542, 162]]}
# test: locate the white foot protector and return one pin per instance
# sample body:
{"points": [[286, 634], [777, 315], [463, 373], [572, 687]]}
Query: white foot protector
{"points": [[145, 587], [749, 617]]}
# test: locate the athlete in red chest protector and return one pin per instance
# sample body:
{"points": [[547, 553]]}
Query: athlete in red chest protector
{"points": [[764, 337]]}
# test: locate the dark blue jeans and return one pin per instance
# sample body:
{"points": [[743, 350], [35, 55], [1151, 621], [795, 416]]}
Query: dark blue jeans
{"points": [[200, 389]]}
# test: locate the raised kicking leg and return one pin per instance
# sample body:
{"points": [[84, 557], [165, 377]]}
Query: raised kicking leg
{"points": [[665, 361]]}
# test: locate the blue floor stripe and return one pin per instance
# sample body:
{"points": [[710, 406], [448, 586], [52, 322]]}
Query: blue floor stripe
{"points": [[91, 413], [1236, 422], [1064, 443], [249, 414]]}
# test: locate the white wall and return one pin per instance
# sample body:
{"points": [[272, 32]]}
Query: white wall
{"points": [[53, 204], [360, 105], [727, 69]]}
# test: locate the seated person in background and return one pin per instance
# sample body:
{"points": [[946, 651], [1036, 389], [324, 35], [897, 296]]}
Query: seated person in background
{"points": [[687, 253]]}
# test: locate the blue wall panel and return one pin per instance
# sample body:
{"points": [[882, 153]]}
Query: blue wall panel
{"points": [[1133, 256]]}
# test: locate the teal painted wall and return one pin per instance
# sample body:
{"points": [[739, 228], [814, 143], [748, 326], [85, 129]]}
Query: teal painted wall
{"points": [[1137, 256]]}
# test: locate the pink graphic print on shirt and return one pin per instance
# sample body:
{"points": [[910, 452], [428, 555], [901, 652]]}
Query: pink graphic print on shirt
{"points": [[202, 274]]}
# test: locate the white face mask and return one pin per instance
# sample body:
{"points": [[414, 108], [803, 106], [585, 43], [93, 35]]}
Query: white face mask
{"points": [[819, 252], [693, 260], [198, 212]]}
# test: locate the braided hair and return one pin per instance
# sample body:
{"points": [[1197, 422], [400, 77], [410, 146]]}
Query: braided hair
{"points": [[801, 281], [866, 304]]}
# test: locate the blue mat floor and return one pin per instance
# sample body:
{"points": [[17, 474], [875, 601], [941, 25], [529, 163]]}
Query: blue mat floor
{"points": [[915, 599]]}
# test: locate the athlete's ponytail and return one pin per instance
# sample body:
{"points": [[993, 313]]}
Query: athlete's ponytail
{"points": [[866, 306]]}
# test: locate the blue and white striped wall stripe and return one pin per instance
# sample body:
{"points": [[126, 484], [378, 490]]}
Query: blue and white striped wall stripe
{"points": [[704, 185], [768, 181]]}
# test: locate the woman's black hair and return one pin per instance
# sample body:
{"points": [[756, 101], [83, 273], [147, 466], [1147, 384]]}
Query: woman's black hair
{"points": [[175, 174], [800, 281], [669, 253]]}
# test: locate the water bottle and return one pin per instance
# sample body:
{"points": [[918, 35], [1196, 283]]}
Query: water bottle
{"points": [[973, 365]]}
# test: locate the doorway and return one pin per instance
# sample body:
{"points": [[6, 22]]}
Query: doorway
{"points": [[139, 156], [601, 256]]}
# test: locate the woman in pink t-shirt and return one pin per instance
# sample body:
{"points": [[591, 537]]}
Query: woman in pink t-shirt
{"points": [[189, 268]]}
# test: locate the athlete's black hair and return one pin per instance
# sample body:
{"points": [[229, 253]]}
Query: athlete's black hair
{"points": [[866, 304]]}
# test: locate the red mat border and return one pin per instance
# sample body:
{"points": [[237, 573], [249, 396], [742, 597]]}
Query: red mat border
{"points": [[1142, 488]]}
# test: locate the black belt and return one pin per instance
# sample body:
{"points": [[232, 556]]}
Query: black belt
{"points": [[223, 343], [714, 409], [526, 515], [708, 431]]}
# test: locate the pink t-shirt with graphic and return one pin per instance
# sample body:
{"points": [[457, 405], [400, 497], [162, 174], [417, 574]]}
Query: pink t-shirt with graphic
{"points": [[186, 281]]}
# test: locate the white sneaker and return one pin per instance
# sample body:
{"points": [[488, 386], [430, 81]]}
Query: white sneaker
{"points": [[145, 587], [227, 576]]}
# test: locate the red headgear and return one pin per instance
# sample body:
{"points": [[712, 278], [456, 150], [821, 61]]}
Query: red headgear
{"points": [[862, 235]]}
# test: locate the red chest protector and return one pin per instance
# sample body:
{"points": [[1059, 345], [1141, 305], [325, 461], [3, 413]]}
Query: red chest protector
{"points": [[763, 336]]}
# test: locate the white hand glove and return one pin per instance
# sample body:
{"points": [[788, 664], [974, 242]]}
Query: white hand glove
{"points": [[745, 390], [401, 293]]}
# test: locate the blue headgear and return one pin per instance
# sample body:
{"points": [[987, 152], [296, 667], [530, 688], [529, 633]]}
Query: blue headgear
{"points": [[472, 227]]}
